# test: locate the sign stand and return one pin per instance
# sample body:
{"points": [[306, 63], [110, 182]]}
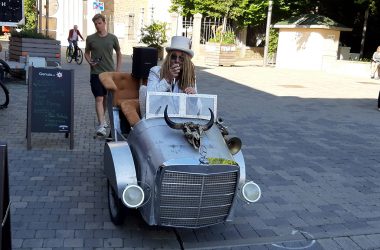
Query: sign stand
{"points": [[50, 102], [5, 217]]}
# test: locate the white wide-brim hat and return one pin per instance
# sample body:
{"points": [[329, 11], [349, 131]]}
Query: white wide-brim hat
{"points": [[181, 43]]}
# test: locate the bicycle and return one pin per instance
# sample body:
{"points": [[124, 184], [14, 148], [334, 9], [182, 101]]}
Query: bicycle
{"points": [[4, 92], [4, 96], [70, 54]]}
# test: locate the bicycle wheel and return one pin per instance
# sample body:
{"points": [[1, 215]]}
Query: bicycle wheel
{"points": [[79, 59], [4, 96], [68, 55]]}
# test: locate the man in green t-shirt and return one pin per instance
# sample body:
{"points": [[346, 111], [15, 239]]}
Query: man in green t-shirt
{"points": [[98, 53]]}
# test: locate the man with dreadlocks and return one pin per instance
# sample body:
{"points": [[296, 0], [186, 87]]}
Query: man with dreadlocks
{"points": [[177, 72]]}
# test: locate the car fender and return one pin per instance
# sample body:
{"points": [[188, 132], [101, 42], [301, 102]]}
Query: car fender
{"points": [[239, 158], [119, 166]]}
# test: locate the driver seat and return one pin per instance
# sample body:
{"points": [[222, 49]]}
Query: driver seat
{"points": [[123, 94]]}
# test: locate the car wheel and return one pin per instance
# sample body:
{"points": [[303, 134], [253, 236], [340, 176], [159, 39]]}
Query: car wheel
{"points": [[115, 206]]}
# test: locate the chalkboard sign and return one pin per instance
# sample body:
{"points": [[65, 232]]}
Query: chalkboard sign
{"points": [[50, 101], [11, 12]]}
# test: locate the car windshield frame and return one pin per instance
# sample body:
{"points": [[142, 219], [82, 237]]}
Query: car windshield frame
{"points": [[180, 105]]}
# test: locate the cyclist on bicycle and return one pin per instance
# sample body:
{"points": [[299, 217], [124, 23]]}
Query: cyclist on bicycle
{"points": [[74, 34]]}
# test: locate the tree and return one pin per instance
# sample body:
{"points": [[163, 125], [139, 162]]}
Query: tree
{"points": [[370, 8], [244, 12], [30, 7]]}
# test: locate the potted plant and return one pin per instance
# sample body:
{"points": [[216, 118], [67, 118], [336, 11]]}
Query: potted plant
{"points": [[221, 49], [32, 43], [154, 35]]}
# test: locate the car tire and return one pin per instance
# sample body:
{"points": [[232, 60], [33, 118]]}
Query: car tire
{"points": [[115, 206]]}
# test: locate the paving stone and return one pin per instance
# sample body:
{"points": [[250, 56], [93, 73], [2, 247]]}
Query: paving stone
{"points": [[73, 242], [364, 242], [375, 238], [329, 244], [113, 242], [45, 234], [93, 243], [53, 243], [24, 234], [17, 243], [32, 243], [347, 243], [65, 233]]}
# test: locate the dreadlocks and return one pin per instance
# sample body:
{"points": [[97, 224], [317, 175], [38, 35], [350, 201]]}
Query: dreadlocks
{"points": [[187, 75]]}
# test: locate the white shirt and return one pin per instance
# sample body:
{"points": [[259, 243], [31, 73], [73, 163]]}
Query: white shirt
{"points": [[74, 37], [157, 85]]}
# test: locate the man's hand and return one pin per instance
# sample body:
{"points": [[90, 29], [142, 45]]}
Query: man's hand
{"points": [[94, 62]]}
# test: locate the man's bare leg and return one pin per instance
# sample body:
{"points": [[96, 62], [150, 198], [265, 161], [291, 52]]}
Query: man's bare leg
{"points": [[374, 68], [104, 107], [100, 108]]}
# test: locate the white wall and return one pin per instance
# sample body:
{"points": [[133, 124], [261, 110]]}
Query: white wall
{"points": [[306, 48], [70, 12], [161, 12]]}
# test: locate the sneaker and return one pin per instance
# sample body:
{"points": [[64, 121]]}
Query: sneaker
{"points": [[104, 124], [372, 77], [101, 131]]}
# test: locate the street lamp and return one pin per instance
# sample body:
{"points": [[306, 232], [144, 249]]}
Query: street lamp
{"points": [[267, 33]]}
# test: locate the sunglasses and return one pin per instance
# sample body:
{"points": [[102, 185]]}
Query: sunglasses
{"points": [[175, 58]]}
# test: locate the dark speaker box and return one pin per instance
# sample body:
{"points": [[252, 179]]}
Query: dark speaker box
{"points": [[143, 59]]}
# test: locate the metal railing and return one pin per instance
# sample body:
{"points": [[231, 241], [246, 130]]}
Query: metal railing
{"points": [[209, 27]]}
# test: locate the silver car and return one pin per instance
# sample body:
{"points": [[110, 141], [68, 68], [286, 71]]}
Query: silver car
{"points": [[178, 166]]}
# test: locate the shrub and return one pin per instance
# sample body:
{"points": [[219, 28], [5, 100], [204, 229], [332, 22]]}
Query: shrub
{"points": [[273, 42], [29, 34], [225, 38], [154, 35]]}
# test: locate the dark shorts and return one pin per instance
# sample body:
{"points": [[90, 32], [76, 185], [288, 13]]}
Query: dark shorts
{"points": [[96, 86]]}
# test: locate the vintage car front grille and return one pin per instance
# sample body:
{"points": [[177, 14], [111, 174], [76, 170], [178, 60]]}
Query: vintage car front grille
{"points": [[193, 200]]}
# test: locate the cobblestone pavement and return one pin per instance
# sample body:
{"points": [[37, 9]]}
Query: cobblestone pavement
{"points": [[311, 141]]}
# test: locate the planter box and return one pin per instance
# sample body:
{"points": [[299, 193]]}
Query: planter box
{"points": [[49, 49], [220, 55]]}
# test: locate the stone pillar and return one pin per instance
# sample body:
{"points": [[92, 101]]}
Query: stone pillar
{"points": [[196, 38], [174, 25], [243, 42]]}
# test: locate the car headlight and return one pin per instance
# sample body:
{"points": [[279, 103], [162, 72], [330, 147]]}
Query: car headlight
{"points": [[133, 196], [251, 191]]}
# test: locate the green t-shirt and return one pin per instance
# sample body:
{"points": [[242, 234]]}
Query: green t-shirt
{"points": [[102, 47]]}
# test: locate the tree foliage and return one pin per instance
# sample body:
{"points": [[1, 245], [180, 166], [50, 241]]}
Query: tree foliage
{"points": [[244, 12], [154, 34], [30, 14]]}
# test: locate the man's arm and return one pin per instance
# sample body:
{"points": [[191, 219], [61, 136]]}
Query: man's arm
{"points": [[154, 82], [69, 37], [87, 54], [80, 35], [118, 60]]}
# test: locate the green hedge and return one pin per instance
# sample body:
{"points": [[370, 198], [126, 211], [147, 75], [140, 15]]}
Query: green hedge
{"points": [[29, 34]]}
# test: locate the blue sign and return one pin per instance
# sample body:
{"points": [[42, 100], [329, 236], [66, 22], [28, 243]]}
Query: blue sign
{"points": [[98, 6]]}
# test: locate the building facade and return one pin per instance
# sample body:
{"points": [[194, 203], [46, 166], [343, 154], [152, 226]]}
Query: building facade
{"points": [[124, 18]]}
